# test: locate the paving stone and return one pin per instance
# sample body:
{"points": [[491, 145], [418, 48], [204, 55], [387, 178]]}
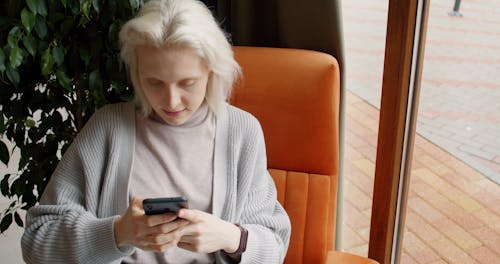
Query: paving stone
{"points": [[450, 192], [360, 200], [418, 250], [366, 166], [358, 178], [446, 207], [354, 218], [462, 183], [426, 211], [484, 255], [354, 240], [419, 226], [451, 252], [491, 149], [457, 234], [488, 237], [407, 259], [491, 219], [459, 112], [477, 152], [359, 250]]}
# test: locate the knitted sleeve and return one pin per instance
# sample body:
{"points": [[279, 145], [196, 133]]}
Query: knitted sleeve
{"points": [[64, 227], [262, 215]]}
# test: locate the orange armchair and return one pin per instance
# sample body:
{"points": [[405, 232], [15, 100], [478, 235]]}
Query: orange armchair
{"points": [[295, 96]]}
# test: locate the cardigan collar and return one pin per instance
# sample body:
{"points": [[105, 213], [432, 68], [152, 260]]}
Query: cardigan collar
{"points": [[126, 143]]}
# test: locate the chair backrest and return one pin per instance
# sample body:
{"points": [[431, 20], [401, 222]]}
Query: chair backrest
{"points": [[295, 96]]}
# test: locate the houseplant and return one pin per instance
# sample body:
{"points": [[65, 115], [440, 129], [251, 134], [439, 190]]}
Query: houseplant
{"points": [[59, 62]]}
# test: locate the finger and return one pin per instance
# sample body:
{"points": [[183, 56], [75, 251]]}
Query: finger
{"points": [[136, 205], [168, 227], [154, 220], [191, 215], [190, 239], [161, 239], [158, 247], [191, 230], [136, 201], [190, 247]]}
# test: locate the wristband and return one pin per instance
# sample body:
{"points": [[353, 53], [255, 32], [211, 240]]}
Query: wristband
{"points": [[243, 243]]}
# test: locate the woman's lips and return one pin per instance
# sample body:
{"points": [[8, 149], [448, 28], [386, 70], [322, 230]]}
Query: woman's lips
{"points": [[172, 113]]}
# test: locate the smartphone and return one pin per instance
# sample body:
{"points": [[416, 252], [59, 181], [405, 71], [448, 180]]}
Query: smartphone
{"points": [[155, 206]]}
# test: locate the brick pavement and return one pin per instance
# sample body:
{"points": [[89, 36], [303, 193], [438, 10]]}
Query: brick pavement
{"points": [[453, 213], [459, 106]]}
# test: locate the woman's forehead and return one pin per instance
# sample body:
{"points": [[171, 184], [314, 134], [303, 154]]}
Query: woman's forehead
{"points": [[169, 62]]}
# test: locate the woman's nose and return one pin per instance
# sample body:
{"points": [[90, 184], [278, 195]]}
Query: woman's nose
{"points": [[172, 97]]}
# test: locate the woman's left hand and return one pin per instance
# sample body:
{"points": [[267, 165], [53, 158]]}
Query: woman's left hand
{"points": [[207, 233]]}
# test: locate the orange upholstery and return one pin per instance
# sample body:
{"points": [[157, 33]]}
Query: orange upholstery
{"points": [[335, 257], [301, 90], [295, 95]]}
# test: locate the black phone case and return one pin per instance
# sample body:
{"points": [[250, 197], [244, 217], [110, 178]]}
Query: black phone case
{"points": [[164, 205]]}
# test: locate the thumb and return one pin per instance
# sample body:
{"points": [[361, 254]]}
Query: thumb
{"points": [[136, 203], [190, 215]]}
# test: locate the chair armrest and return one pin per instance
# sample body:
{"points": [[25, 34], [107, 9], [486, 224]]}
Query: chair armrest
{"points": [[338, 257]]}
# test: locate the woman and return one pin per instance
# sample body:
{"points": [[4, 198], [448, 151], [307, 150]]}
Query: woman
{"points": [[179, 138]]}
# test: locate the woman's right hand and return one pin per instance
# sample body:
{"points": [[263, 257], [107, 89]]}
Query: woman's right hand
{"points": [[147, 232]]}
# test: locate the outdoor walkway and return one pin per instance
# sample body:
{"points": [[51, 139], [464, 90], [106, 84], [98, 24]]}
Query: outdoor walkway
{"points": [[453, 213], [459, 106]]}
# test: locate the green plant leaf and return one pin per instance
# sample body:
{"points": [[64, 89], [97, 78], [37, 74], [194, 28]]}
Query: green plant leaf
{"points": [[47, 62], [33, 6], [134, 4], [95, 4], [29, 43], [4, 153], [2, 60], [6, 221], [16, 57], [13, 36], [37, 7], [95, 81], [18, 185], [4, 185], [64, 80], [18, 219], [28, 19], [13, 75], [58, 54], [85, 6], [42, 7], [34, 30], [41, 27], [30, 123]]}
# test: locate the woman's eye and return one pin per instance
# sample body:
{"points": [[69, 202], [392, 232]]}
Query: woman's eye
{"points": [[155, 82], [187, 83]]}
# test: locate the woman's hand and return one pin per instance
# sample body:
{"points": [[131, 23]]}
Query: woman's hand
{"points": [[207, 233], [147, 232]]}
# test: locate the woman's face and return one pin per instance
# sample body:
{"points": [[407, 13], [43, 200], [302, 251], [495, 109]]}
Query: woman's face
{"points": [[174, 81]]}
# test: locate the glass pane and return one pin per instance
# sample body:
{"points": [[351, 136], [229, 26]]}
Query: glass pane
{"points": [[453, 213], [365, 23]]}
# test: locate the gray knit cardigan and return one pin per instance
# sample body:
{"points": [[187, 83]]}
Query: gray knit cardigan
{"points": [[74, 221]]}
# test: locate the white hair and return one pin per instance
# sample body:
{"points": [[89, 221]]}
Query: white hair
{"points": [[181, 23]]}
